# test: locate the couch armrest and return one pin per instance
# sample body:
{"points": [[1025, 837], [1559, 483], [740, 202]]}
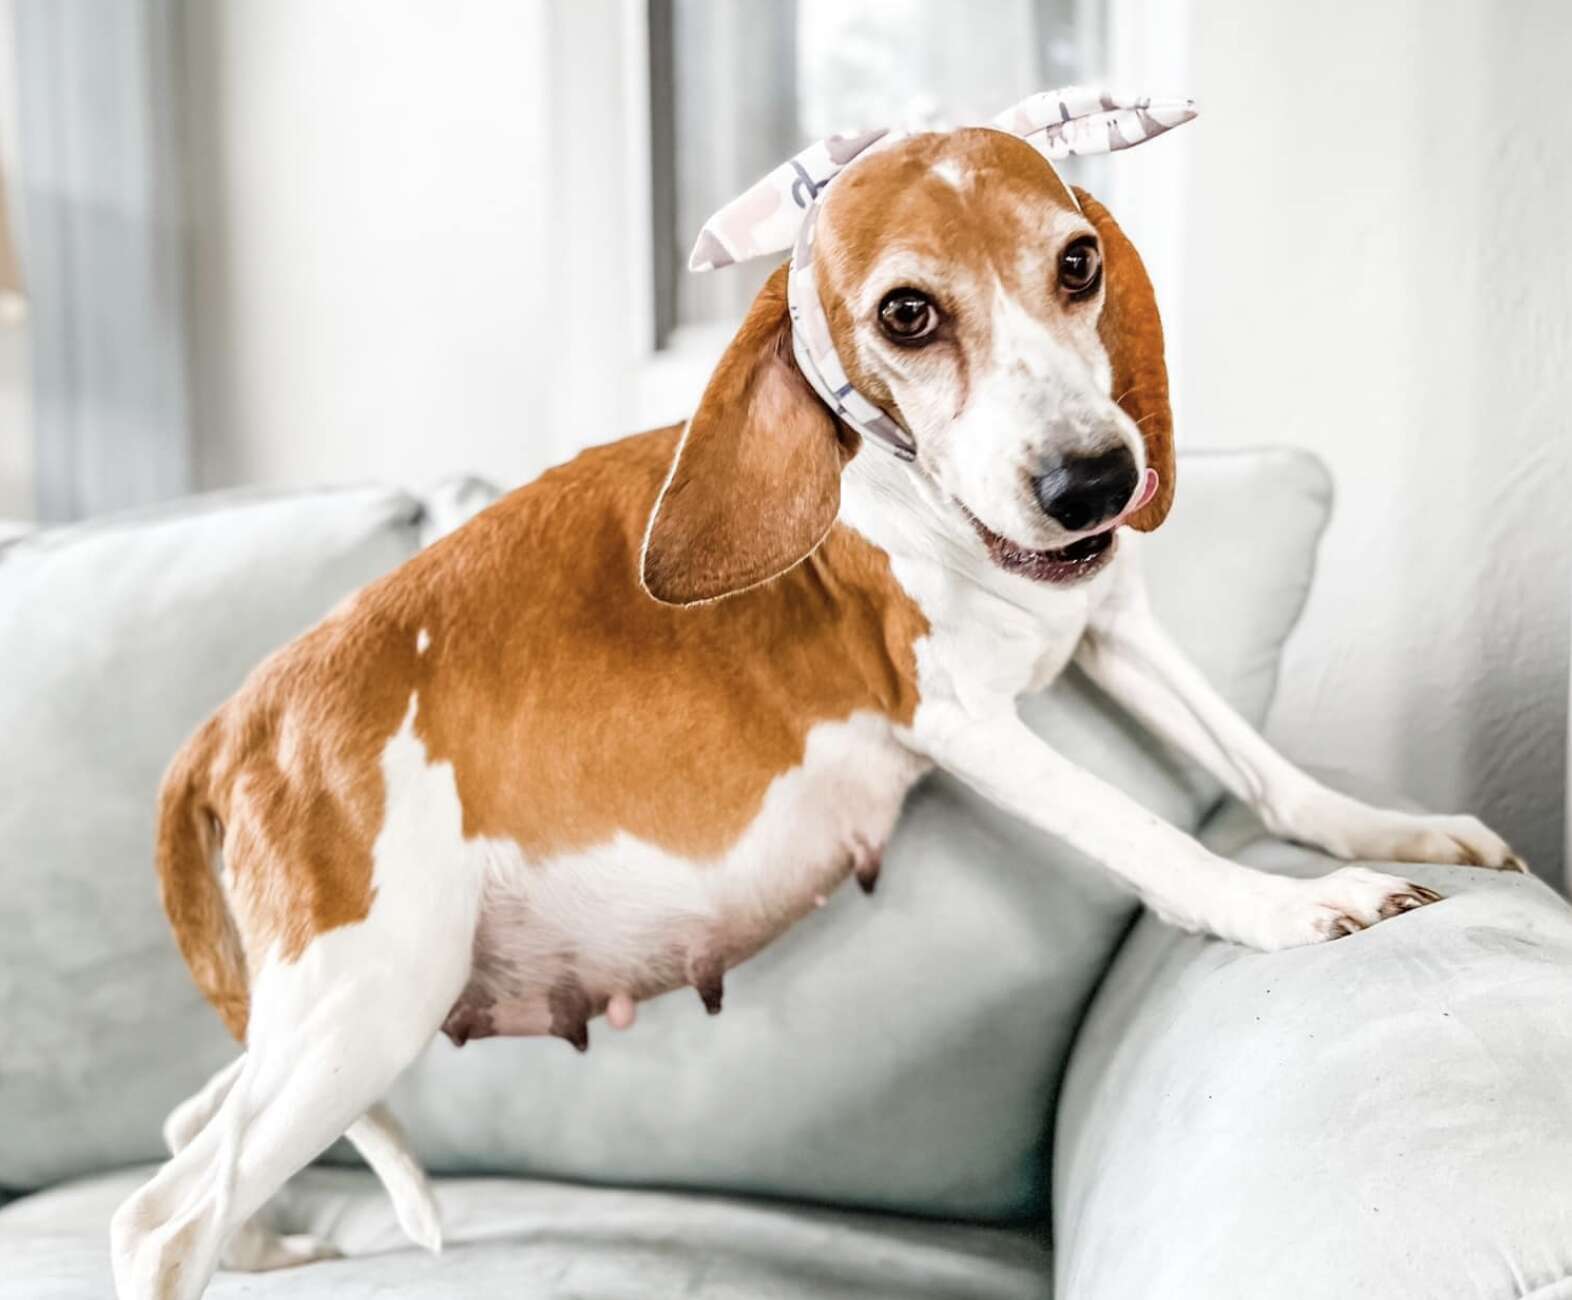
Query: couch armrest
{"points": [[1389, 1115]]}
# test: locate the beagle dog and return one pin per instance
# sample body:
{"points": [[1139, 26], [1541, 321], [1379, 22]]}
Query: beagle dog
{"points": [[630, 723]]}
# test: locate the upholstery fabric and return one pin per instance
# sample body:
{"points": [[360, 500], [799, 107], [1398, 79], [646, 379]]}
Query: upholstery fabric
{"points": [[900, 1052], [515, 1240], [1388, 1116]]}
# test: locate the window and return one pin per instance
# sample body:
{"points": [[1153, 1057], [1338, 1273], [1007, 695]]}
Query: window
{"points": [[736, 88]]}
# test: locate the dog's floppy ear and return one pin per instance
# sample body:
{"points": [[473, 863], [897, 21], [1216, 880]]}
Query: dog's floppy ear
{"points": [[756, 483], [1132, 332]]}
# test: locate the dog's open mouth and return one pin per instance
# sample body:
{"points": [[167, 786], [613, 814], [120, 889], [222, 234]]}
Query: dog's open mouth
{"points": [[1080, 559]]}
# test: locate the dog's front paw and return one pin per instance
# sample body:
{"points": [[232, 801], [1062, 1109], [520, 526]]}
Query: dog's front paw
{"points": [[1410, 837], [1334, 905]]}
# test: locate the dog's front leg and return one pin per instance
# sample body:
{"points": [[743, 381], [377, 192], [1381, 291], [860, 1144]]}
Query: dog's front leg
{"points": [[1174, 875], [1127, 653]]}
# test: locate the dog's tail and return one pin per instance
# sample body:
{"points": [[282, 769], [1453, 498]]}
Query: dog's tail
{"points": [[186, 849], [382, 1145]]}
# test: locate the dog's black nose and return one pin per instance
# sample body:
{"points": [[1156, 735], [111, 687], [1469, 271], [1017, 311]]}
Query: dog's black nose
{"points": [[1081, 493]]}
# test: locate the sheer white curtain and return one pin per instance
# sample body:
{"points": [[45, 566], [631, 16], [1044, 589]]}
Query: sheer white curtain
{"points": [[99, 183]]}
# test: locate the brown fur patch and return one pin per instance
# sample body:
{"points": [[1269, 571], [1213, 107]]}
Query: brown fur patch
{"points": [[571, 705], [562, 679]]}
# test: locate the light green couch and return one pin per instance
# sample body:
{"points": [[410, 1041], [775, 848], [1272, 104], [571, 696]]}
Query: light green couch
{"points": [[992, 1079]]}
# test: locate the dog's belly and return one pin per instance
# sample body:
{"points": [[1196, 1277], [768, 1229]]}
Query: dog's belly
{"points": [[560, 941]]}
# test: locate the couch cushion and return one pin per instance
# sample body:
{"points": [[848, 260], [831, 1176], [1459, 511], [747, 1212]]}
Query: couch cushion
{"points": [[1389, 1115], [549, 1241], [903, 1051], [117, 638], [900, 1052]]}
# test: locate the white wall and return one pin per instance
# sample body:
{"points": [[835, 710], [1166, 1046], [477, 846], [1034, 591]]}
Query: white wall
{"points": [[16, 426], [1376, 266]]}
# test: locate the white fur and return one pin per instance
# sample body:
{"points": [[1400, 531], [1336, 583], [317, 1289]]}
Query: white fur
{"points": [[952, 173], [1042, 397]]}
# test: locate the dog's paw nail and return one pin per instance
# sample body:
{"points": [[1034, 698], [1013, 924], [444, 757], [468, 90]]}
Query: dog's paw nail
{"points": [[1400, 903]]}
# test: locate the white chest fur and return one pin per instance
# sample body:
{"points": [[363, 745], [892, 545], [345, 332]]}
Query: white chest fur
{"points": [[992, 635]]}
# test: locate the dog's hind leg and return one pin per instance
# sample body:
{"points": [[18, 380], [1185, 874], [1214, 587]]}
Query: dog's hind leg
{"points": [[255, 1246], [328, 1037], [382, 1145], [332, 1024], [191, 1116]]}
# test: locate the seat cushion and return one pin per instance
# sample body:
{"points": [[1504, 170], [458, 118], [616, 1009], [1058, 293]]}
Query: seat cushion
{"points": [[900, 1052], [1389, 1115], [512, 1238]]}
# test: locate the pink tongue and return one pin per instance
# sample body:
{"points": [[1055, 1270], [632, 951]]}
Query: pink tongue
{"points": [[1145, 493]]}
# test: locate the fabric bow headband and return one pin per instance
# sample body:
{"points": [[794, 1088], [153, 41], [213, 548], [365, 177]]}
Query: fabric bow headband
{"points": [[778, 212]]}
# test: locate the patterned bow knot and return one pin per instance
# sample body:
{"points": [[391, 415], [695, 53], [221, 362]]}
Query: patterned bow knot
{"points": [[1081, 120], [777, 212]]}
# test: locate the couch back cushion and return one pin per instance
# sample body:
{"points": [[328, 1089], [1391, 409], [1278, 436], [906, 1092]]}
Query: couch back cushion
{"points": [[902, 1051], [116, 639]]}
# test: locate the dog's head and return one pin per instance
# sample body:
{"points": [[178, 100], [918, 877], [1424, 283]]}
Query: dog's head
{"points": [[1007, 325]]}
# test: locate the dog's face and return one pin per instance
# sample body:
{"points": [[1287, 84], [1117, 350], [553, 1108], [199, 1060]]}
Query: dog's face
{"points": [[1013, 333], [965, 290]]}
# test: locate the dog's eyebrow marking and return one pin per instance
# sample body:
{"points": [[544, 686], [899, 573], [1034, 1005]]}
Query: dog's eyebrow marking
{"points": [[422, 640]]}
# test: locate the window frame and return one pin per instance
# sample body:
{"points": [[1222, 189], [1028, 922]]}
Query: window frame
{"points": [[1143, 44]]}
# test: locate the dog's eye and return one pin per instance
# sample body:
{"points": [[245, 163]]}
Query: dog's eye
{"points": [[908, 317], [1081, 268]]}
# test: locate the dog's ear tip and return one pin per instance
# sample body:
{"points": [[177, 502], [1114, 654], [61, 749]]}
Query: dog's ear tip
{"points": [[659, 588]]}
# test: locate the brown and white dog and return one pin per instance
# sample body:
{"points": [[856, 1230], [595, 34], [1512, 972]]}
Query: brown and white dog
{"points": [[631, 722]]}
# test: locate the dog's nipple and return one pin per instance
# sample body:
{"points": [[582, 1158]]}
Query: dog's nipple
{"points": [[620, 1011], [706, 972], [569, 1006]]}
